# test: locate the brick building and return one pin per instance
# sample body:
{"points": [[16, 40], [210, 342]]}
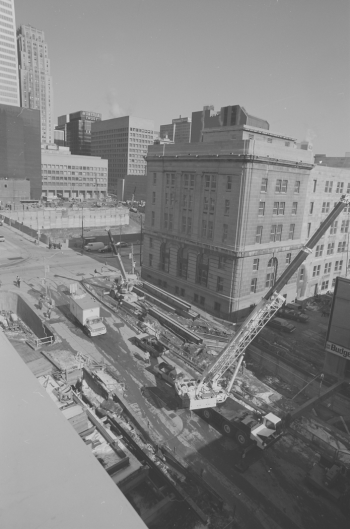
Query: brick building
{"points": [[224, 216]]}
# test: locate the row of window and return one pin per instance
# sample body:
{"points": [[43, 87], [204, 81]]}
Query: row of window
{"points": [[330, 248], [275, 233], [338, 265], [328, 188], [272, 262], [278, 208], [189, 179], [80, 167]]}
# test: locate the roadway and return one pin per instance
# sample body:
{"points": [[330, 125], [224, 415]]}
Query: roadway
{"points": [[271, 494]]}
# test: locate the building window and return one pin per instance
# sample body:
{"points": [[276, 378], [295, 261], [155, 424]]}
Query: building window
{"points": [[340, 187], [202, 269], [338, 266], [281, 186], [291, 231], [182, 262], [153, 218], [263, 188], [278, 186], [210, 229], [166, 220], [204, 228], [308, 229], [164, 261], [227, 207], [206, 204], [341, 247], [212, 205], [288, 258], [220, 284], [150, 259], [301, 274], [327, 268], [150, 242], [294, 208], [217, 306], [330, 248], [270, 278], [182, 292], [344, 226], [172, 179], [333, 282], [170, 221], [253, 284], [276, 232], [324, 285], [256, 264], [261, 211], [177, 291], [229, 183], [154, 178], [153, 197], [222, 262], [202, 300], [311, 208], [278, 208], [333, 228], [325, 207], [195, 298], [316, 270], [258, 234], [328, 186], [284, 186], [297, 186], [224, 232]]}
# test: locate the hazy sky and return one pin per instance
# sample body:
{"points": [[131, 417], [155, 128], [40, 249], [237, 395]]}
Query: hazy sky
{"points": [[286, 61]]}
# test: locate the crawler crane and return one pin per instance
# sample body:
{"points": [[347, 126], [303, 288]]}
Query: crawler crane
{"points": [[210, 394]]}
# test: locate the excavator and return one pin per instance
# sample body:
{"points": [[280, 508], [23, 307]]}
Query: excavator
{"points": [[210, 393]]}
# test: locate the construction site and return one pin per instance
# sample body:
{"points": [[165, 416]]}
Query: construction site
{"points": [[198, 421]]}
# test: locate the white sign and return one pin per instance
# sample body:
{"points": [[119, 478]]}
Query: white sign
{"points": [[338, 350]]}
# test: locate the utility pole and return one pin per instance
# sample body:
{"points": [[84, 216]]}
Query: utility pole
{"points": [[82, 229], [141, 242]]}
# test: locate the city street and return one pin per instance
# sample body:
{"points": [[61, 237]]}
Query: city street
{"points": [[271, 494]]}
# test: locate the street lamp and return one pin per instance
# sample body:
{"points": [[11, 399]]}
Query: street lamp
{"points": [[47, 269]]}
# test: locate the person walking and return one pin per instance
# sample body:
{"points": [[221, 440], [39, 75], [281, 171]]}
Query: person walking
{"points": [[18, 281]]}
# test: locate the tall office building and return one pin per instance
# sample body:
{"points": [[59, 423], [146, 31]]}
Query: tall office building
{"points": [[35, 81], [9, 89], [124, 142], [179, 130], [77, 130]]}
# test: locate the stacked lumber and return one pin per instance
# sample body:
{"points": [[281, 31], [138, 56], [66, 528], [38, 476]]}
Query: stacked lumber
{"points": [[77, 417]]}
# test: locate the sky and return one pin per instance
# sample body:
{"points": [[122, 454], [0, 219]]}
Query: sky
{"points": [[286, 61]]}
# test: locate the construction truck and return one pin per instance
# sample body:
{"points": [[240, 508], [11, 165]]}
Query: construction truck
{"points": [[127, 278], [211, 392], [87, 311], [148, 342]]}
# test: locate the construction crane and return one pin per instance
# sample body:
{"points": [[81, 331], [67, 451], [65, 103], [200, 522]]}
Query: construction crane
{"points": [[209, 390]]}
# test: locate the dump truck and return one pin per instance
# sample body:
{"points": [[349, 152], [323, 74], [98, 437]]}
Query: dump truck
{"points": [[87, 312]]}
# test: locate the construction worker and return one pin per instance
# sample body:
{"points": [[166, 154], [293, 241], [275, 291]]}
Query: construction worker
{"points": [[18, 281]]}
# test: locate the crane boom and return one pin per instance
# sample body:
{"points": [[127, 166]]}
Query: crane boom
{"points": [[208, 392]]}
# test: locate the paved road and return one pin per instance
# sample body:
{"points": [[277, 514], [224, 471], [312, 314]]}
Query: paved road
{"points": [[270, 494]]}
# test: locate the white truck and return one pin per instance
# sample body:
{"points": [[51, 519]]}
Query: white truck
{"points": [[87, 311]]}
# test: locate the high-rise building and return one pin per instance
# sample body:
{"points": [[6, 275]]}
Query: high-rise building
{"points": [[35, 81], [77, 130], [9, 89], [20, 146], [179, 130], [225, 216], [124, 142]]}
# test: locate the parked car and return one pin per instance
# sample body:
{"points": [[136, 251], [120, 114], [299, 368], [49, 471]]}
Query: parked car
{"points": [[121, 244], [167, 372], [294, 306], [105, 249], [291, 314], [281, 325], [2, 238]]}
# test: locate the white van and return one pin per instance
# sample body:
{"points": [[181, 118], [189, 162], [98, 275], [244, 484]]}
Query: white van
{"points": [[94, 246]]}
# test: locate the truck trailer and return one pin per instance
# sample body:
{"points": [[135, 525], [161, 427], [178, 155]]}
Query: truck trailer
{"points": [[87, 311]]}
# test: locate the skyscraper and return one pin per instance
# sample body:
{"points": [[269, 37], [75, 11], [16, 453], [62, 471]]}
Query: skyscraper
{"points": [[9, 89], [77, 130], [35, 81]]}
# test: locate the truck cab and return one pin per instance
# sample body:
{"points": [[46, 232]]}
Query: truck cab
{"points": [[149, 343]]}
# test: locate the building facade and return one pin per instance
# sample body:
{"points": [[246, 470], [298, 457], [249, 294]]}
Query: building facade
{"points": [[179, 131], [13, 191], [9, 89], [20, 146], [66, 175], [224, 217], [35, 81], [328, 181], [77, 130], [124, 142]]}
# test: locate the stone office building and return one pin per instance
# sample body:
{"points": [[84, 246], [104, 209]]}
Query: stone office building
{"points": [[224, 216]]}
